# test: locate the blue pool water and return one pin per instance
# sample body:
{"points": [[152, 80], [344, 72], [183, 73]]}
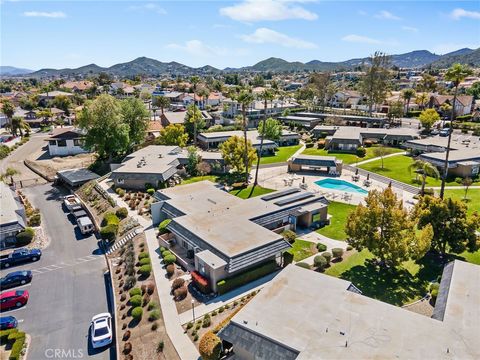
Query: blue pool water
{"points": [[341, 185]]}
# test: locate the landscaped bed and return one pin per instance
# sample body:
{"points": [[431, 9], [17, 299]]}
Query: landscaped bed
{"points": [[281, 155], [141, 332], [348, 158], [339, 213]]}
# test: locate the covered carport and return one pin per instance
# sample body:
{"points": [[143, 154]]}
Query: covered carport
{"points": [[74, 178], [328, 164]]}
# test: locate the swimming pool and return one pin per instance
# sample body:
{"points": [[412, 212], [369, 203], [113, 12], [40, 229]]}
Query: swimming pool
{"points": [[341, 185]]}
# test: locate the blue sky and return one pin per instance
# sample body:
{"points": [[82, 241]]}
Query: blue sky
{"points": [[38, 34]]}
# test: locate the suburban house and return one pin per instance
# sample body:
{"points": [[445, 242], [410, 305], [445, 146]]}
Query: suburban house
{"points": [[66, 142], [12, 216], [156, 165], [463, 105], [327, 164], [302, 314], [201, 223], [256, 110], [349, 138], [213, 99], [346, 99], [44, 97], [77, 86], [172, 117], [212, 140]]}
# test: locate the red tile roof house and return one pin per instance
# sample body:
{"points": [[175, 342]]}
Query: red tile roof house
{"points": [[463, 106]]}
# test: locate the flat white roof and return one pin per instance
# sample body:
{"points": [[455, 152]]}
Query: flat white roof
{"points": [[8, 206]]}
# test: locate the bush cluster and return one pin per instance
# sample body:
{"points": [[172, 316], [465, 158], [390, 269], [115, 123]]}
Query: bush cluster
{"points": [[122, 213], [25, 237], [180, 293], [337, 252], [135, 291], [145, 270], [144, 261], [110, 218], [109, 232], [16, 341], [327, 256], [210, 346], [321, 247], [303, 265], [289, 236], [162, 228], [319, 262], [136, 300], [178, 283], [137, 313], [361, 151]]}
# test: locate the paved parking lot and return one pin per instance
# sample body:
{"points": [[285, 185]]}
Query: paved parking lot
{"points": [[68, 286]]}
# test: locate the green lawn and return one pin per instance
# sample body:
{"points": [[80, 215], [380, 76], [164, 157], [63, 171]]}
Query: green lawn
{"points": [[281, 155], [302, 249], [397, 168], [473, 198], [336, 229], [195, 179], [246, 193], [347, 158]]}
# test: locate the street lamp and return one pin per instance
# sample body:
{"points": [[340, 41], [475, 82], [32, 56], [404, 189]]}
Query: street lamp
{"points": [[193, 310]]}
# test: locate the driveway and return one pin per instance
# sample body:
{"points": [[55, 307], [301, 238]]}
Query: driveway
{"points": [[68, 286]]}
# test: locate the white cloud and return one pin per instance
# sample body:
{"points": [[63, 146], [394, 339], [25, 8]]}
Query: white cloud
{"points": [[410, 28], [267, 10], [149, 7], [268, 36], [457, 14], [362, 13], [449, 47], [52, 14], [360, 39], [387, 15]]}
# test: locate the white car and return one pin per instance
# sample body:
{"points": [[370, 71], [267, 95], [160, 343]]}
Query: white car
{"points": [[101, 330]]}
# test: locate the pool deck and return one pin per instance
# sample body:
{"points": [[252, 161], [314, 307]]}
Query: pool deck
{"points": [[273, 178]]}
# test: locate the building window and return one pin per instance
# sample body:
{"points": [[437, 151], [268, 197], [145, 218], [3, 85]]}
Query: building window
{"points": [[62, 143], [52, 142], [78, 142], [316, 217]]}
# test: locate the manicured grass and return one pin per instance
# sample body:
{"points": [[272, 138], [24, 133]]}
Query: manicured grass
{"points": [[246, 193], [397, 168], [302, 249], [347, 158], [336, 229], [473, 258], [195, 179], [281, 155], [473, 198]]}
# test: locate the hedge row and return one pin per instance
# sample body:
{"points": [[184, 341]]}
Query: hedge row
{"points": [[16, 339], [245, 277]]}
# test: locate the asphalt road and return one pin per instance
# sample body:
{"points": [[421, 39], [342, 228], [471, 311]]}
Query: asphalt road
{"points": [[68, 286]]}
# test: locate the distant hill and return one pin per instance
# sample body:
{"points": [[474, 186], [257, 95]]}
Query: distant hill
{"points": [[12, 71], [463, 56], [151, 67]]}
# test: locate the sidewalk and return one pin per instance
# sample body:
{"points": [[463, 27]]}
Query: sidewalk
{"points": [[378, 158], [318, 238]]}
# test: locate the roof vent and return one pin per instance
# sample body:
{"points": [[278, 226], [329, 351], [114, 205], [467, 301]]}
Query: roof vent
{"points": [[245, 322]]}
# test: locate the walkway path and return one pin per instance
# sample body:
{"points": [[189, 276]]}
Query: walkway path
{"points": [[459, 187], [378, 158], [315, 237]]}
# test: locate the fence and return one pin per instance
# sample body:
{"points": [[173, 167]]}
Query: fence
{"points": [[383, 179]]}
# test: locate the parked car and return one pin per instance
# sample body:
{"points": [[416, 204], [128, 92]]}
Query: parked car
{"points": [[79, 213], [434, 132], [445, 132], [15, 298], [101, 330], [20, 256], [70, 201], [8, 322], [15, 278], [85, 225]]}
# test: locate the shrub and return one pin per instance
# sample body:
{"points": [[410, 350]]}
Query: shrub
{"points": [[349, 247], [146, 300], [152, 305], [245, 277], [145, 270], [35, 219], [289, 236], [25, 237], [206, 321], [165, 253], [130, 282], [194, 332], [149, 186], [319, 262], [309, 145], [434, 294], [169, 259], [178, 283], [150, 191], [198, 326], [162, 249], [170, 269], [189, 325], [458, 180], [361, 152], [150, 288], [136, 300], [126, 335], [287, 258], [327, 256], [127, 348], [137, 313], [337, 252], [144, 261], [160, 346], [303, 265], [135, 291], [143, 255], [122, 213], [321, 247], [180, 293], [110, 219], [434, 286], [210, 346], [221, 309], [154, 315], [162, 228], [195, 338], [109, 232]]}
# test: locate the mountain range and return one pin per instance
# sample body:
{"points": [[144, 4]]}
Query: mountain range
{"points": [[152, 67]]}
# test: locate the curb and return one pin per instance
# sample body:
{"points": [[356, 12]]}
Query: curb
{"points": [[114, 307], [28, 341]]}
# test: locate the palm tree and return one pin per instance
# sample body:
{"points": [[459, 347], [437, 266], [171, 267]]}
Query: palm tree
{"points": [[245, 98], [18, 123], [407, 95], [266, 95], [203, 94], [456, 74], [425, 169], [162, 102], [421, 100], [8, 109]]}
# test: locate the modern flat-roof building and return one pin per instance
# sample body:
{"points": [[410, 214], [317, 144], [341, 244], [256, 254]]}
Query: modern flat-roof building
{"points": [[212, 140], [308, 122], [12, 215], [302, 314], [328, 164], [237, 234]]}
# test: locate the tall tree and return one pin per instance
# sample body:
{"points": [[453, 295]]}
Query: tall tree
{"points": [[386, 229], [8, 109], [173, 134], [375, 83], [320, 83], [203, 94], [456, 74], [137, 117], [380, 151], [428, 117], [195, 119], [451, 225], [18, 124], [161, 102], [233, 153], [428, 83], [62, 102], [271, 129], [407, 96], [106, 132], [424, 168], [421, 100], [245, 98], [466, 182], [266, 95]]}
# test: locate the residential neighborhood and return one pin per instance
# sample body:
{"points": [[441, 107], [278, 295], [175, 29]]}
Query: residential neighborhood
{"points": [[238, 180]]}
